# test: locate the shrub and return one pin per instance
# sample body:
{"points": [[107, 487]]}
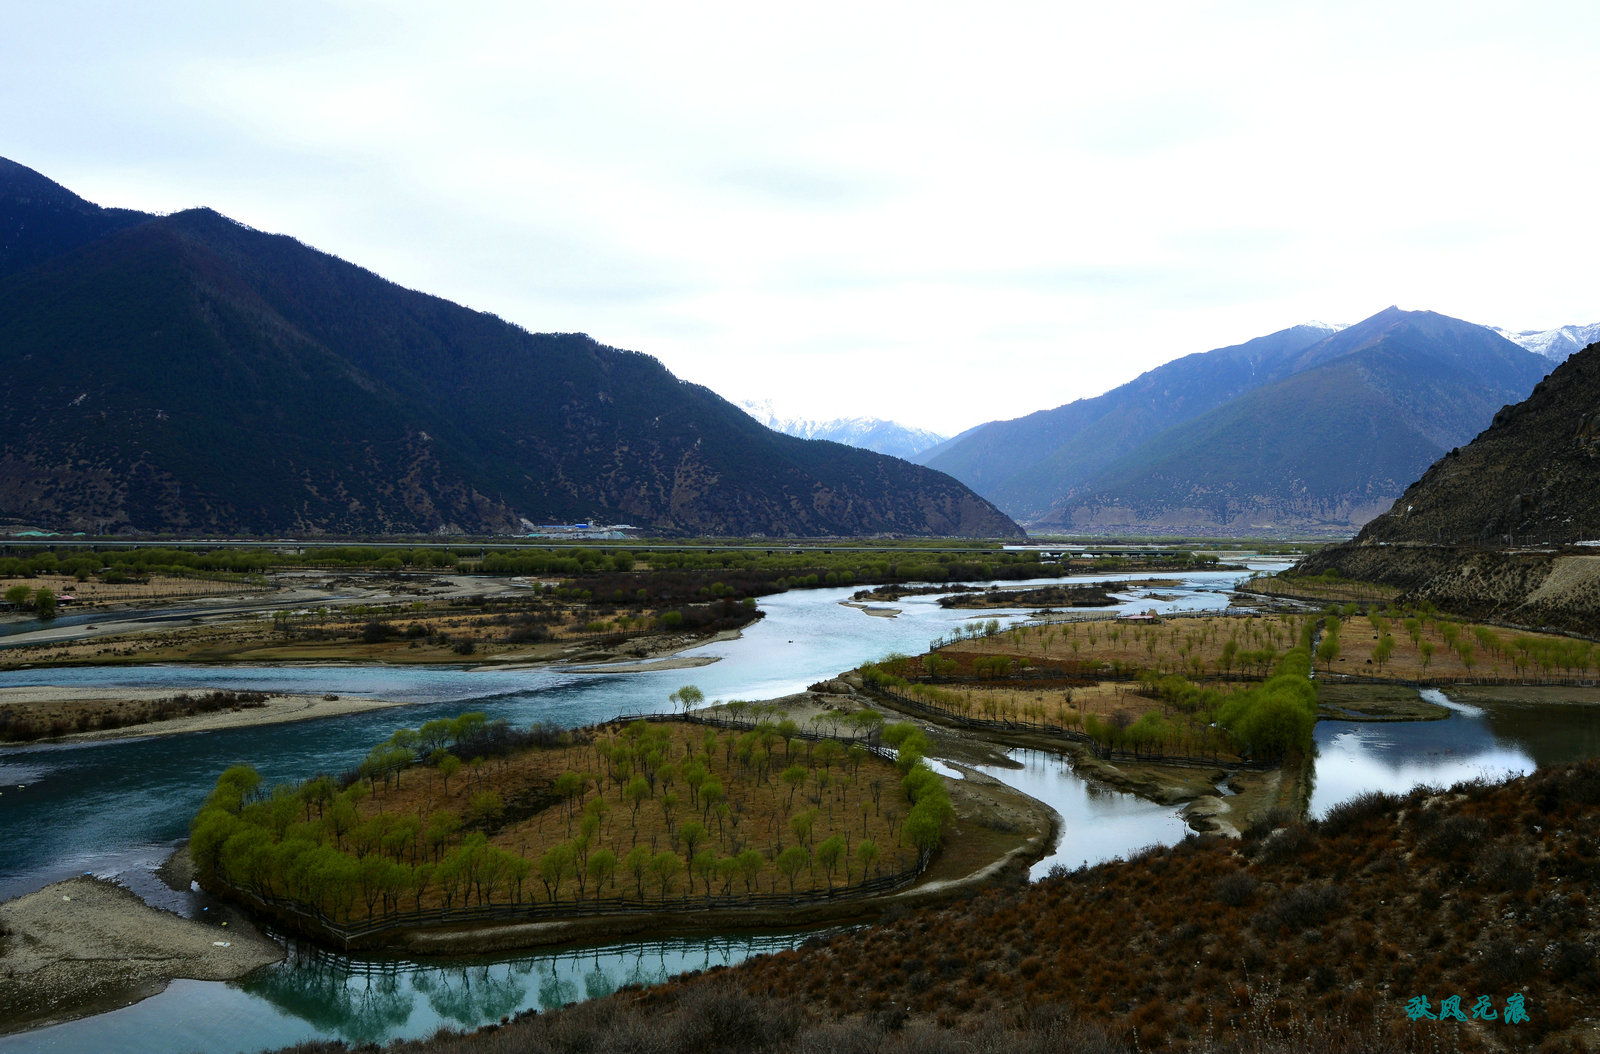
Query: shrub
{"points": [[1359, 811], [1236, 889], [1300, 908]]}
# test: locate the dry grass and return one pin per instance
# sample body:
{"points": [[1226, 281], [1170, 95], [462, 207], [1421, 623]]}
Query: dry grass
{"points": [[1317, 588], [1198, 647], [1186, 646]]}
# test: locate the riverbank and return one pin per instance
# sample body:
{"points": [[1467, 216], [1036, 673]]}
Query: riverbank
{"points": [[47, 704], [67, 709], [85, 946]]}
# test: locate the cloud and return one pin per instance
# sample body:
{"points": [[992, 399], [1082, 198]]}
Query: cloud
{"points": [[850, 200]]}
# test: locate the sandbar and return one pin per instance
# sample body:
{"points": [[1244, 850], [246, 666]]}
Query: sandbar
{"points": [[86, 945]]}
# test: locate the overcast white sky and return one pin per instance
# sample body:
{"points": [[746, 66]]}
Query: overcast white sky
{"points": [[938, 213]]}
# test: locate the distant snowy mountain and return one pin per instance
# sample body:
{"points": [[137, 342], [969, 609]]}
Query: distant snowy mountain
{"points": [[1554, 344], [869, 433]]}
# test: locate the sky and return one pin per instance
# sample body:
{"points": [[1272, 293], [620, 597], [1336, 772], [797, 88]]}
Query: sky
{"points": [[941, 214]]}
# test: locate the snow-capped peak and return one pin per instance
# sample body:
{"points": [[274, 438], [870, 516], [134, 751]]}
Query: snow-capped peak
{"points": [[1554, 344], [869, 433]]}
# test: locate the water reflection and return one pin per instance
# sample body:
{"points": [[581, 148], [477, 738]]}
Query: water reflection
{"points": [[1099, 823], [320, 994], [1484, 739]]}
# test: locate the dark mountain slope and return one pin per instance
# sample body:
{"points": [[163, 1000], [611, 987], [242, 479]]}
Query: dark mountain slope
{"points": [[1025, 464], [1477, 535], [1328, 447], [1531, 477], [188, 373], [40, 219]]}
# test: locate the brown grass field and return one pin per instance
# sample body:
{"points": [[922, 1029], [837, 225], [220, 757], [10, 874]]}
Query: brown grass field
{"points": [[1195, 647]]}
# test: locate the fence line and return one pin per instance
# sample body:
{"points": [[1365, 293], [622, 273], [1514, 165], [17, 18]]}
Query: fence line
{"points": [[1099, 750], [705, 717], [531, 911], [978, 722]]}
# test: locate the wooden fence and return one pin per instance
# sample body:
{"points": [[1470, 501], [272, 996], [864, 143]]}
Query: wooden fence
{"points": [[1099, 749], [347, 933]]}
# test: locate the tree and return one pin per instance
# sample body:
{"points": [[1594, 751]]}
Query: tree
{"points": [[554, 866], [801, 824], [1328, 650], [1382, 650], [17, 596], [790, 861], [449, 765], [867, 854], [44, 602], [485, 807], [703, 864], [925, 824], [692, 835], [664, 867], [688, 697], [602, 864], [637, 864], [795, 777], [751, 864], [830, 851], [635, 793]]}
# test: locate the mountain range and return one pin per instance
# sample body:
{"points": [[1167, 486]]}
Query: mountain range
{"points": [[186, 373], [1555, 344], [1310, 429], [868, 433]]}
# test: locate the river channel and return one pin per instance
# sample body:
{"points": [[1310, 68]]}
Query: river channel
{"points": [[116, 809]]}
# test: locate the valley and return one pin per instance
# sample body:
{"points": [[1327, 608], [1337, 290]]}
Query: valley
{"points": [[991, 711], [535, 674]]}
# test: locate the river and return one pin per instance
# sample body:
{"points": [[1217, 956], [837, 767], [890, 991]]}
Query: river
{"points": [[116, 809]]}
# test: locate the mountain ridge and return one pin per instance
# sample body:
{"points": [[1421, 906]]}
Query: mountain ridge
{"points": [[186, 372], [1234, 440], [868, 433]]}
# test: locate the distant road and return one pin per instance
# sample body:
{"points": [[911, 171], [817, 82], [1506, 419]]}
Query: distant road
{"points": [[289, 544]]}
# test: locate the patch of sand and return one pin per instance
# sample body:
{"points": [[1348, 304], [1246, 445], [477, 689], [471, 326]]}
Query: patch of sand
{"points": [[86, 945], [876, 611]]}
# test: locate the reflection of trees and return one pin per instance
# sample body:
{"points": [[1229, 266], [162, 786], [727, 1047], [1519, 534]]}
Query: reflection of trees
{"points": [[361, 1002], [371, 1001], [597, 984], [556, 991], [472, 995]]}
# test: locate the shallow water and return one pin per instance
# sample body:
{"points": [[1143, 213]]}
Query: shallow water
{"points": [[1489, 741], [1098, 823]]}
